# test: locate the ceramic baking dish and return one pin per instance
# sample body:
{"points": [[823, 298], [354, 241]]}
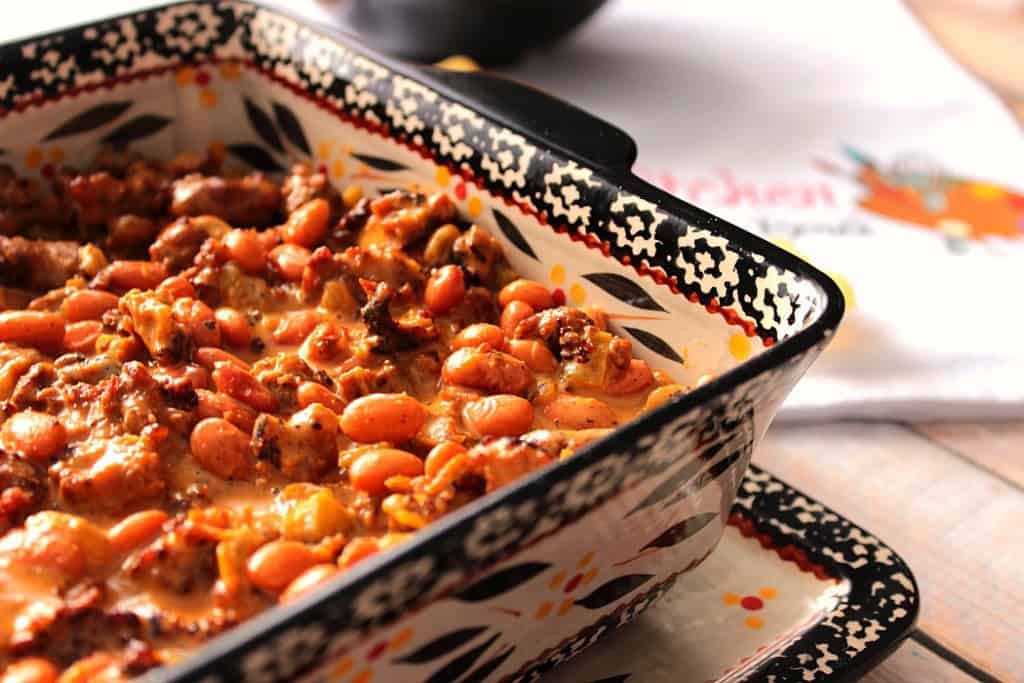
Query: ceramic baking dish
{"points": [[529, 576]]}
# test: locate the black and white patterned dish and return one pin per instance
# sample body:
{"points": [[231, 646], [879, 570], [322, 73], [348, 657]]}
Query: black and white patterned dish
{"points": [[696, 295]]}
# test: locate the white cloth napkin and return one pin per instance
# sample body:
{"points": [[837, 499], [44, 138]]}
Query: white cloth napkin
{"points": [[772, 115]]}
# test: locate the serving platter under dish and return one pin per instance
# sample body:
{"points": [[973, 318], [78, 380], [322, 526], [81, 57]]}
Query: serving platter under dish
{"points": [[632, 512]]}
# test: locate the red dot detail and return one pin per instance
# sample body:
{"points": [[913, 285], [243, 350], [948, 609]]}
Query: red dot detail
{"points": [[377, 650], [573, 582], [202, 78], [752, 603], [47, 171], [558, 296], [460, 191], [321, 168]]}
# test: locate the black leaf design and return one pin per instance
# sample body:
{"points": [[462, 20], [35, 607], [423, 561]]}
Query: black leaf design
{"points": [[670, 486], [379, 163], [460, 665], [621, 678], [511, 232], [625, 290], [487, 668], [90, 119], [705, 478], [257, 157], [611, 591], [136, 129], [442, 645], [654, 343], [263, 124], [677, 533], [501, 582], [290, 126]]}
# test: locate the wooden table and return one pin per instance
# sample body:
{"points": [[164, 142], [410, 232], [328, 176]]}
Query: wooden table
{"points": [[950, 499]]}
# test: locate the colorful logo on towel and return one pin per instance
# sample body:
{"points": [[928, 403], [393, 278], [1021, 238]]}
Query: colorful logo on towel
{"points": [[916, 191]]}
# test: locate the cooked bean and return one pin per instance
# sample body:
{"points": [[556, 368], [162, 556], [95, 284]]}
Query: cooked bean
{"points": [[289, 261], [212, 404], [176, 287], [513, 314], [445, 289], [221, 448], [375, 466], [491, 371], [579, 412], [528, 291], [637, 377], [663, 394], [210, 357], [87, 304], [383, 417], [81, 337], [198, 319], [239, 384], [309, 393], [307, 225], [33, 435], [136, 529], [440, 455], [439, 246], [500, 415], [295, 327], [120, 276], [30, 670], [38, 329], [234, 327], [536, 355], [247, 250], [307, 581], [97, 668], [278, 563], [477, 334], [358, 549]]}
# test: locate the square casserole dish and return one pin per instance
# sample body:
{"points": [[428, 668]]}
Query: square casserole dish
{"points": [[522, 579]]}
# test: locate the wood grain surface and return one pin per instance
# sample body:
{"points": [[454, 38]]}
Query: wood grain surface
{"points": [[941, 497]]}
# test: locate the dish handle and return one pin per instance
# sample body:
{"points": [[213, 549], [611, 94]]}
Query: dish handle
{"points": [[537, 114]]}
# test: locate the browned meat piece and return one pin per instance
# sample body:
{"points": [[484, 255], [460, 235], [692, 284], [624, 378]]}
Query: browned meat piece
{"points": [[24, 205], [23, 490], [34, 389], [481, 256], [304, 448], [111, 475], [12, 299], [304, 184], [487, 370], [343, 234], [99, 199], [76, 630], [37, 264], [282, 374], [360, 381], [15, 361], [177, 245], [402, 218], [153, 322], [251, 200], [381, 264], [555, 442], [501, 461], [389, 334], [568, 332], [182, 560], [479, 305]]}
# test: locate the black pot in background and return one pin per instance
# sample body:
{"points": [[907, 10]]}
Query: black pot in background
{"points": [[490, 31]]}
